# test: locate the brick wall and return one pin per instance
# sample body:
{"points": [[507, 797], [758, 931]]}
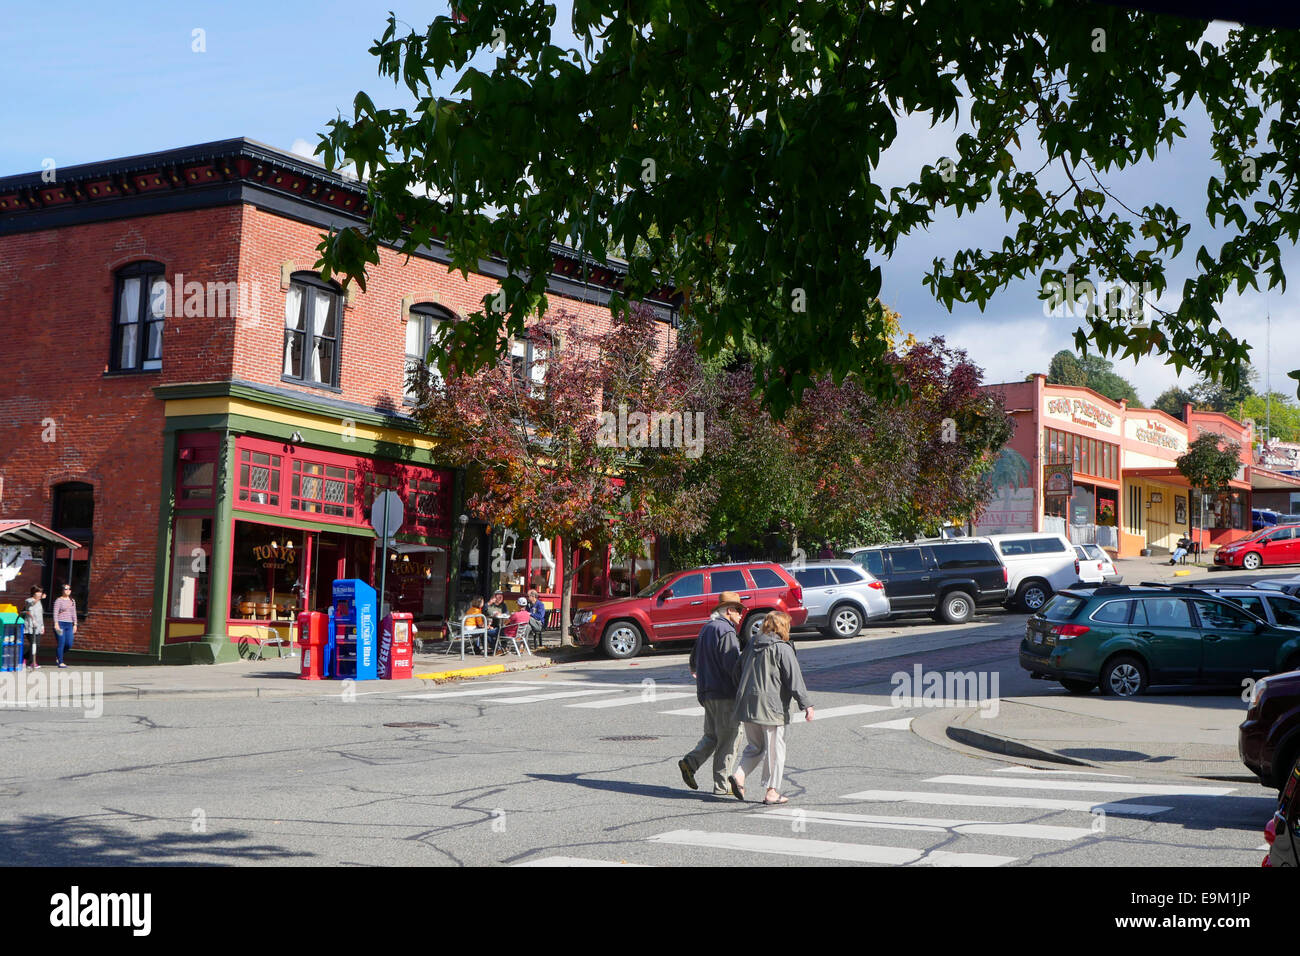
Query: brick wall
{"points": [[56, 292]]}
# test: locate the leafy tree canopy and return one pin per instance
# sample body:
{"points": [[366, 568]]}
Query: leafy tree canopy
{"points": [[1172, 401], [1094, 372], [1210, 462], [1282, 419], [735, 149]]}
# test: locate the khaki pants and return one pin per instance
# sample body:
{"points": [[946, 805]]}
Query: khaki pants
{"points": [[721, 738], [765, 745]]}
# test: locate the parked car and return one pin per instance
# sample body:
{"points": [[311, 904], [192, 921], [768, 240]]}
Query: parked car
{"points": [[1038, 565], [1095, 566], [1280, 834], [945, 579], [1127, 638], [1272, 605], [840, 596], [677, 605], [1261, 518], [1280, 545], [1285, 585], [1268, 740]]}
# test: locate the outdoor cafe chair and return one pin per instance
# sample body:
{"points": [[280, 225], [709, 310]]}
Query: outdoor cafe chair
{"points": [[460, 631]]}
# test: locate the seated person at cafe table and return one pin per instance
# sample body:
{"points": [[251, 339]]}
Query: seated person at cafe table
{"points": [[496, 610]]}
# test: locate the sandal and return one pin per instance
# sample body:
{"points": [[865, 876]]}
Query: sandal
{"points": [[737, 790], [779, 799]]}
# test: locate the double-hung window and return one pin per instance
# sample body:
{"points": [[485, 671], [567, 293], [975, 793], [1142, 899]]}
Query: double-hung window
{"points": [[138, 316], [312, 330], [421, 331], [528, 365]]}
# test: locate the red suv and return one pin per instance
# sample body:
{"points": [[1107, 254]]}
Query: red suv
{"points": [[1279, 545], [675, 607]]}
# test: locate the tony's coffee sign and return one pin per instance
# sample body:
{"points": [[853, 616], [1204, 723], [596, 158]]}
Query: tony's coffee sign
{"points": [[1080, 411], [275, 555]]}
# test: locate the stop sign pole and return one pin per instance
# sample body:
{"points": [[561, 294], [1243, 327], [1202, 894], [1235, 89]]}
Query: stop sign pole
{"points": [[385, 514]]}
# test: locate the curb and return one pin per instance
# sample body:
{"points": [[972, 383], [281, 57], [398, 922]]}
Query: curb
{"points": [[482, 671], [996, 743]]}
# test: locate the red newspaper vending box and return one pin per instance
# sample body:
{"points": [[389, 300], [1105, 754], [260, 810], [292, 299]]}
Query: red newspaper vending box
{"points": [[313, 636], [395, 647]]}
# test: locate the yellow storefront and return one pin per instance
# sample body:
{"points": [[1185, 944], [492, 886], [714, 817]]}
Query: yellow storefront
{"points": [[1156, 495]]}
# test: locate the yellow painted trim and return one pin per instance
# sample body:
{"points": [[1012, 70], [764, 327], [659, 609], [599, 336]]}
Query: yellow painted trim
{"points": [[327, 423], [464, 672], [185, 630], [259, 632]]}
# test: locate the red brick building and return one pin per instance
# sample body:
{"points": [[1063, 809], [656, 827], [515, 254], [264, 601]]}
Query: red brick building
{"points": [[211, 419]]}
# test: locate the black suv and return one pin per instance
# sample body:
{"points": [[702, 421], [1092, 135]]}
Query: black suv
{"points": [[945, 579]]}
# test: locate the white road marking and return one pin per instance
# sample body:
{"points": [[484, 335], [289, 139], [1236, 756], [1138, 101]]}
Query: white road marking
{"points": [[1032, 831], [826, 850], [1024, 803], [539, 697], [1079, 773], [474, 692], [632, 699], [617, 685], [573, 861], [685, 712], [829, 712], [1160, 790], [903, 723]]}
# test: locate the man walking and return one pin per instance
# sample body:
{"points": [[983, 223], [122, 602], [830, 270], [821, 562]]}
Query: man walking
{"points": [[715, 662]]}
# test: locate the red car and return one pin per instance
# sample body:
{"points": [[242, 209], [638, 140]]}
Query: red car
{"points": [[1278, 545], [675, 607]]}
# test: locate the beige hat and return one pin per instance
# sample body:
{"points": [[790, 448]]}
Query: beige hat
{"points": [[728, 599]]}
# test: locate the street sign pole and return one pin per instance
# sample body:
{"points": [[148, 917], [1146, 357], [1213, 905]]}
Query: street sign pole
{"points": [[386, 514], [383, 565]]}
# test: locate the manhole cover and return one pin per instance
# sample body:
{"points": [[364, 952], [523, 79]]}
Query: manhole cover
{"points": [[631, 737], [412, 723]]}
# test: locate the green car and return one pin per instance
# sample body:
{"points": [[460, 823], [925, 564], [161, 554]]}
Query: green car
{"points": [[1127, 638]]}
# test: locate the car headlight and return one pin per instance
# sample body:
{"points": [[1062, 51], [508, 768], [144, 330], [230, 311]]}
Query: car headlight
{"points": [[584, 617]]}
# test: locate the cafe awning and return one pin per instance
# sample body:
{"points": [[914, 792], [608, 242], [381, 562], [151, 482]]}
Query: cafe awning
{"points": [[19, 532], [1172, 476], [1265, 479]]}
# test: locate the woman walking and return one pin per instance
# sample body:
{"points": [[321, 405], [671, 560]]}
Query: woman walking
{"points": [[34, 619], [65, 622], [769, 678]]}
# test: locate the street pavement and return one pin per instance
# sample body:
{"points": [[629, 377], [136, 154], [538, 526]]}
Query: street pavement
{"points": [[576, 765]]}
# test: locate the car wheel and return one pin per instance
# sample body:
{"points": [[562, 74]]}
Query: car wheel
{"points": [[1125, 676], [957, 607], [1033, 595], [1252, 561], [1078, 686], [846, 621], [752, 624], [622, 639]]}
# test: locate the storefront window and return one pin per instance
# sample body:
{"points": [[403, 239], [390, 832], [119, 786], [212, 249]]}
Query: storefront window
{"points": [[541, 566], [191, 553], [323, 489], [266, 572], [591, 579], [417, 580], [628, 575], [1227, 512], [259, 478]]}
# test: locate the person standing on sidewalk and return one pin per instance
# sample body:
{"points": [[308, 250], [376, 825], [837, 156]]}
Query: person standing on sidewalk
{"points": [[65, 622], [769, 678], [34, 619], [715, 660]]}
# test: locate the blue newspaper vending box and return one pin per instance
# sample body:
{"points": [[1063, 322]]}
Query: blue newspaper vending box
{"points": [[353, 650]]}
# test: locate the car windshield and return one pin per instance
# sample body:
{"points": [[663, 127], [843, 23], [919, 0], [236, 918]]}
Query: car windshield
{"points": [[653, 586]]}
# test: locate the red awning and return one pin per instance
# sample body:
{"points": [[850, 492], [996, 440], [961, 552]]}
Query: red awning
{"points": [[19, 531]]}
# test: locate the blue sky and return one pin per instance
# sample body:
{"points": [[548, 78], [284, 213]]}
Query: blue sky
{"points": [[86, 82]]}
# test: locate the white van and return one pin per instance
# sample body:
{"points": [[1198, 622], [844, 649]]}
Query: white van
{"points": [[1038, 565]]}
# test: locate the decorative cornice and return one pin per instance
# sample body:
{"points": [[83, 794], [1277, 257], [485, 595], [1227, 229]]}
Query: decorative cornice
{"points": [[233, 171]]}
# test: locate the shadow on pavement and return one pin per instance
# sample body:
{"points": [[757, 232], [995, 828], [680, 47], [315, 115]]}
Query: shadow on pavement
{"points": [[49, 840], [618, 786]]}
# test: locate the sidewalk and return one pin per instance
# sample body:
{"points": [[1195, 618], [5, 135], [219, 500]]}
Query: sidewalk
{"points": [[274, 677]]}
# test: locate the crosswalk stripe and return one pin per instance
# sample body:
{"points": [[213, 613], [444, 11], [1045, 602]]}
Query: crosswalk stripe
{"points": [[573, 861], [999, 800], [474, 692], [1160, 790], [616, 685], [830, 712], [631, 699], [903, 723], [685, 712], [1078, 773], [539, 697], [826, 850], [1033, 831]]}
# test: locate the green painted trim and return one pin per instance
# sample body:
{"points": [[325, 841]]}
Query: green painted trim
{"points": [[222, 542], [301, 524], [194, 423], [293, 403], [161, 577], [332, 441]]}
